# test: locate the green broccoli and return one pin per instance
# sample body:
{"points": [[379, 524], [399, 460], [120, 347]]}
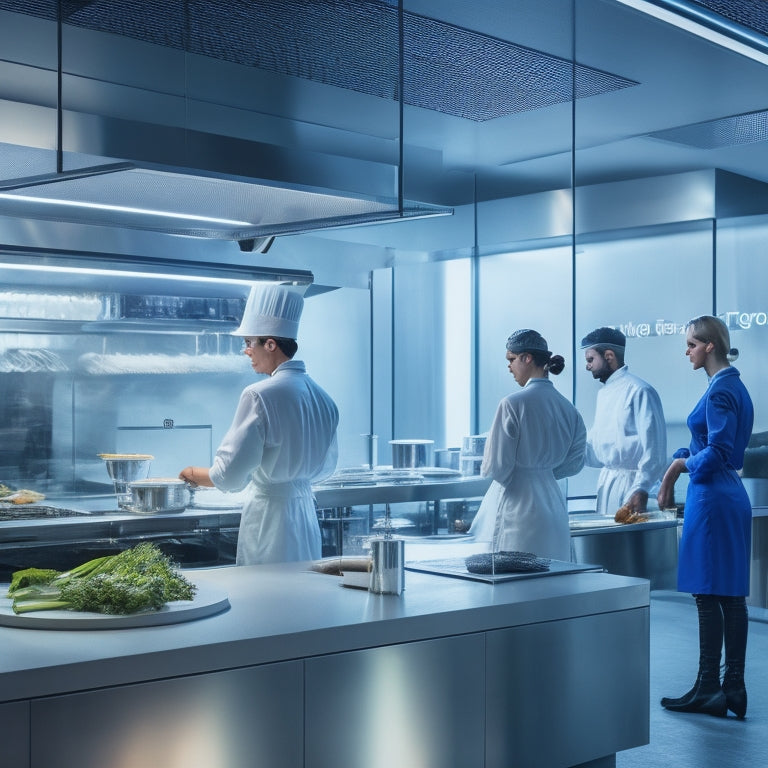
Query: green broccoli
{"points": [[137, 579]]}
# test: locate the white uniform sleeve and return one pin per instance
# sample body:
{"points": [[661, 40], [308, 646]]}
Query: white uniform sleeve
{"points": [[574, 460], [500, 457], [242, 448]]}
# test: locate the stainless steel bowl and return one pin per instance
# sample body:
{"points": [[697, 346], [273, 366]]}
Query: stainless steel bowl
{"points": [[158, 495], [125, 468], [410, 454]]}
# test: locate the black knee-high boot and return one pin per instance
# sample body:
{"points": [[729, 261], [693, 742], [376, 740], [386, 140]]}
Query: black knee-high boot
{"points": [[706, 696], [736, 625]]}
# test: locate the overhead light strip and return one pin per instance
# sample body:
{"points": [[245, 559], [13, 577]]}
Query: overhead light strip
{"points": [[124, 209], [69, 270], [684, 16]]}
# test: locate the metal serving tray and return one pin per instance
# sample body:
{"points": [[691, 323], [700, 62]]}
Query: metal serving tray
{"points": [[455, 568]]}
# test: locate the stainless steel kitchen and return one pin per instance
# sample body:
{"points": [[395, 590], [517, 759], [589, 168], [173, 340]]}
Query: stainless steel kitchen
{"points": [[429, 178]]}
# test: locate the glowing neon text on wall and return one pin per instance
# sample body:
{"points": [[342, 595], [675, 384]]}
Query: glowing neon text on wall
{"points": [[736, 321]]}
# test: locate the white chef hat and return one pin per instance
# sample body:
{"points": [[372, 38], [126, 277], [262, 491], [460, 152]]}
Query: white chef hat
{"points": [[272, 310]]}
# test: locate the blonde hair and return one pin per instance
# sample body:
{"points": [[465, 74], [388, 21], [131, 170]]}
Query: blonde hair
{"points": [[712, 330]]}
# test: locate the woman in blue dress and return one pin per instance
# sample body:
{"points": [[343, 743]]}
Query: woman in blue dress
{"points": [[715, 545]]}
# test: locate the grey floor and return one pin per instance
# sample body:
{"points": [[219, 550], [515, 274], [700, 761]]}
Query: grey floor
{"points": [[700, 741]]}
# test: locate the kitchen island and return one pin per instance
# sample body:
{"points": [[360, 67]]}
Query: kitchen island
{"points": [[300, 671]]}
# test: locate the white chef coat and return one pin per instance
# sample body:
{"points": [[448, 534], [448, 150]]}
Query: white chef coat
{"points": [[628, 440], [537, 437], [282, 439]]}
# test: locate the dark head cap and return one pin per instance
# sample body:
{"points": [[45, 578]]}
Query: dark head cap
{"points": [[526, 340], [604, 337]]}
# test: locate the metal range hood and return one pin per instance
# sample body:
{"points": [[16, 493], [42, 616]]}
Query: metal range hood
{"points": [[193, 203], [128, 118]]}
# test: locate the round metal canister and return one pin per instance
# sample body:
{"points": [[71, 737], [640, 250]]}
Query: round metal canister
{"points": [[387, 566], [411, 454]]}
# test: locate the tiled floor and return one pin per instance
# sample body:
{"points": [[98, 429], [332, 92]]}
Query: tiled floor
{"points": [[700, 741]]}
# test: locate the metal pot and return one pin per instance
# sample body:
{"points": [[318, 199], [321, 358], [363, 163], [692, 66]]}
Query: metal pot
{"points": [[159, 495], [410, 454]]}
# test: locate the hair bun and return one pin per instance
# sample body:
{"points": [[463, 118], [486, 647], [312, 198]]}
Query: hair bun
{"points": [[733, 354]]}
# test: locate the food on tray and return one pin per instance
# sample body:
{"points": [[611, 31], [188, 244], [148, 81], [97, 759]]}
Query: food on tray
{"points": [[626, 515], [506, 562], [25, 496], [22, 496]]}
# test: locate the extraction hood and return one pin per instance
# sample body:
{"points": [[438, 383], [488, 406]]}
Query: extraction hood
{"points": [[193, 203]]}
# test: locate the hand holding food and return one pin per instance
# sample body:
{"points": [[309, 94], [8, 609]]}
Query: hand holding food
{"points": [[626, 514]]}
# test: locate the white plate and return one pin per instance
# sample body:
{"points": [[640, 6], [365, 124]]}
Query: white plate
{"points": [[208, 601]]}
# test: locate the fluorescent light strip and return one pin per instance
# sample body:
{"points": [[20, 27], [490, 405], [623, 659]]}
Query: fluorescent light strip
{"points": [[127, 273], [124, 209], [700, 30]]}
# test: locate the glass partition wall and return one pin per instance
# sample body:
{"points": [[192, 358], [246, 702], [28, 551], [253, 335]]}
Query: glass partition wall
{"points": [[623, 187], [666, 174]]}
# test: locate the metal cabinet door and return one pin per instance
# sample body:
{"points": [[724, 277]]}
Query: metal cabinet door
{"points": [[233, 719], [413, 704]]}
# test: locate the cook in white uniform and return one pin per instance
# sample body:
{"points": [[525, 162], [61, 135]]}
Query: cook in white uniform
{"points": [[537, 437], [282, 438], [628, 439]]}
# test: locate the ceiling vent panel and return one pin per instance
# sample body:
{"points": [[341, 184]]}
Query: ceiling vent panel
{"points": [[731, 131], [350, 44]]}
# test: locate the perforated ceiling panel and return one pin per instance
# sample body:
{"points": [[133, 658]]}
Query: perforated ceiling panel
{"points": [[723, 132], [350, 44]]}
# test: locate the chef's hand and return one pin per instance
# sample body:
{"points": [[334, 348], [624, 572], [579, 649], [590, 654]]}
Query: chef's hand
{"points": [[196, 476], [666, 495], [638, 502]]}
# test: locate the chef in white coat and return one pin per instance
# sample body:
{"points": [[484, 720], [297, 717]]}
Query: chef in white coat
{"points": [[628, 439], [537, 438], [282, 438]]}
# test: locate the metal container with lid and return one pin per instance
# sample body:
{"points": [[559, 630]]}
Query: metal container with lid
{"points": [[410, 454], [159, 495]]}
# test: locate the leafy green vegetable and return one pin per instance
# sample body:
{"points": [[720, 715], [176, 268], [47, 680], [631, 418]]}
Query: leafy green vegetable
{"points": [[29, 576], [137, 579]]}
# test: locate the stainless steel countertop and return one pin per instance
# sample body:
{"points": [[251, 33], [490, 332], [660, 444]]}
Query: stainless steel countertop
{"points": [[285, 611], [383, 493], [99, 517]]}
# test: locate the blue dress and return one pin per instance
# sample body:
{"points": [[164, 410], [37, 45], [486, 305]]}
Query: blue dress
{"points": [[715, 546]]}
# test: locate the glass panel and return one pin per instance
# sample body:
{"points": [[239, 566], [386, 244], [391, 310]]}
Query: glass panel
{"points": [[28, 83], [529, 289], [487, 129], [658, 163], [741, 301], [620, 286]]}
